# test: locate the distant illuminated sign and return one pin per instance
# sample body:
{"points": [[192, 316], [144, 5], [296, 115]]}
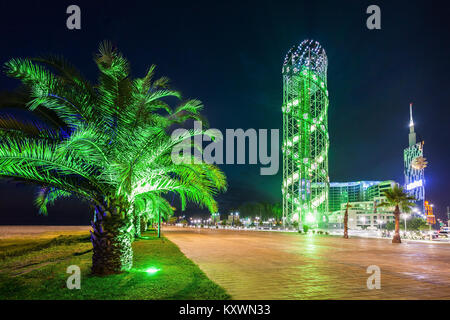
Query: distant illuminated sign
{"points": [[414, 185], [431, 219]]}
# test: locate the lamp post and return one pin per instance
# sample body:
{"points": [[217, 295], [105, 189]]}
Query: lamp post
{"points": [[431, 233], [448, 216], [404, 218], [159, 224]]}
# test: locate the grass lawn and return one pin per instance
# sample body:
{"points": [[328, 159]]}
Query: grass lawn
{"points": [[36, 269]]}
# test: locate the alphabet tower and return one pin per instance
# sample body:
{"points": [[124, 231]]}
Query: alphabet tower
{"points": [[305, 134]]}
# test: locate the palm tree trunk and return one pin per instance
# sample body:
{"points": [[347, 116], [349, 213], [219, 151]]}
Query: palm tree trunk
{"points": [[111, 240], [396, 238], [346, 223], [137, 226], [143, 225]]}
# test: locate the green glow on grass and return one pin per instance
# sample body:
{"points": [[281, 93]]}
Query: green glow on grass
{"points": [[152, 270]]}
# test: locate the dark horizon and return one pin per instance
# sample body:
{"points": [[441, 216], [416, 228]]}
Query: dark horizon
{"points": [[229, 55]]}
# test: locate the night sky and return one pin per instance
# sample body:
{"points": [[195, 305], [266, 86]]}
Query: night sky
{"points": [[229, 55]]}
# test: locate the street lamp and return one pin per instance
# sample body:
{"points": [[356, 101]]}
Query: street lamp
{"points": [[405, 216], [431, 233], [159, 224], [448, 216]]}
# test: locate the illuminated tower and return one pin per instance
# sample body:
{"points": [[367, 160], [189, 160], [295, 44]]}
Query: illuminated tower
{"points": [[415, 165], [305, 134]]}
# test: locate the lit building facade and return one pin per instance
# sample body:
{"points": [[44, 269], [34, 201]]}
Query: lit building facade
{"points": [[364, 198], [363, 214], [341, 192], [305, 134], [377, 190], [415, 165]]}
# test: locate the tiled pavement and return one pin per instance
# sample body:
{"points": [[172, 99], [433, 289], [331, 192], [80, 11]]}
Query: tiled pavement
{"points": [[272, 265]]}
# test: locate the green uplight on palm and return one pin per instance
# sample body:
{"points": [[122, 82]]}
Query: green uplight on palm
{"points": [[117, 154]]}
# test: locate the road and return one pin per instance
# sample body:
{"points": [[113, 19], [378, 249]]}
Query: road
{"points": [[275, 265]]}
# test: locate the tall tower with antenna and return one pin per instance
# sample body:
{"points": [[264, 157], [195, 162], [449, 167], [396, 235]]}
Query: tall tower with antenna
{"points": [[305, 134], [412, 134], [415, 165]]}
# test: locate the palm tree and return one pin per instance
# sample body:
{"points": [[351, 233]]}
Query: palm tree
{"points": [[277, 211], [396, 197], [107, 143], [152, 208], [346, 220]]}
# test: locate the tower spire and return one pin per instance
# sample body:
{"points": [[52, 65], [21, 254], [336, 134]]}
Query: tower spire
{"points": [[412, 134]]}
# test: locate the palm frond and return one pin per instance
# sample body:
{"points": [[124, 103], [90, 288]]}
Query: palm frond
{"points": [[47, 196], [50, 91], [11, 125], [396, 196], [68, 72], [87, 142], [150, 205], [38, 160], [116, 143]]}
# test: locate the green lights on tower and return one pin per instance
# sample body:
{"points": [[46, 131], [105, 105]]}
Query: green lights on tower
{"points": [[305, 134], [415, 165]]}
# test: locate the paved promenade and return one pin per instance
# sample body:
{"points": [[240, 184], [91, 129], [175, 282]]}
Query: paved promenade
{"points": [[272, 265]]}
